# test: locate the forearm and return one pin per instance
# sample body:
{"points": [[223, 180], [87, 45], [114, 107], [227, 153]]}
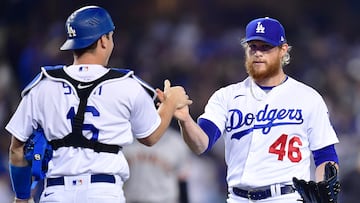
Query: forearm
{"points": [[171, 99], [31, 200], [320, 171], [20, 171], [193, 135], [165, 111], [16, 153]]}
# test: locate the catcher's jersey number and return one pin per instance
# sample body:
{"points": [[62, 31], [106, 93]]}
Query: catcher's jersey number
{"points": [[90, 109], [280, 146]]}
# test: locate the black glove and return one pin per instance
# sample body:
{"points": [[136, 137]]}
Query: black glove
{"points": [[325, 191]]}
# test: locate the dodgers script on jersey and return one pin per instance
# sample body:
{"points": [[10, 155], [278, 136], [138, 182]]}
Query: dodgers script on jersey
{"points": [[276, 127], [52, 103]]}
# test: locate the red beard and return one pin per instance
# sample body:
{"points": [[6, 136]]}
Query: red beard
{"points": [[269, 71]]}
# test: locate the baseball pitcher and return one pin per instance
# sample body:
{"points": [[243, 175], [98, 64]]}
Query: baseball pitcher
{"points": [[271, 124]]}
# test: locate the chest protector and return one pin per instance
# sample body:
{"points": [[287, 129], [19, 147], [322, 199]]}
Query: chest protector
{"points": [[76, 138]]}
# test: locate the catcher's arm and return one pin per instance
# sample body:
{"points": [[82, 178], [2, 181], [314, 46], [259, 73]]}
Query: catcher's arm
{"points": [[20, 172], [16, 153]]}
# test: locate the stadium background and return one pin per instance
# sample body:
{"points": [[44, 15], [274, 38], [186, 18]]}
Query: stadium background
{"points": [[195, 43]]}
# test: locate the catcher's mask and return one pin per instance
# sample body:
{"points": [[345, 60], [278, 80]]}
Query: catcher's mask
{"points": [[86, 25]]}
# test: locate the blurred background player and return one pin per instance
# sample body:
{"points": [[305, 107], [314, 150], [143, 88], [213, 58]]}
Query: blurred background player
{"points": [[88, 164], [270, 122], [158, 174]]}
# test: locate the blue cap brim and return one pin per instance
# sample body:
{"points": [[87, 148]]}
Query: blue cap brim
{"points": [[72, 44], [264, 40]]}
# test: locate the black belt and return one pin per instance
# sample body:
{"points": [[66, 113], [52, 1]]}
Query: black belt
{"points": [[261, 194], [97, 178]]}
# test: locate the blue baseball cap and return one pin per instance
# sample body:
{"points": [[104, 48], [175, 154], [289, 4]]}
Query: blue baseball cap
{"points": [[86, 25], [266, 29]]}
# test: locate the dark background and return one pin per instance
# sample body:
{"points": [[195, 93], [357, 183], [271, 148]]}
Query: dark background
{"points": [[195, 43]]}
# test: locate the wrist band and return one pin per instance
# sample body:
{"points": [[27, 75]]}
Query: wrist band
{"points": [[21, 181]]}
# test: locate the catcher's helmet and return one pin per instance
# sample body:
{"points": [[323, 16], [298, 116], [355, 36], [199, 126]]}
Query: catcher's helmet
{"points": [[86, 25]]}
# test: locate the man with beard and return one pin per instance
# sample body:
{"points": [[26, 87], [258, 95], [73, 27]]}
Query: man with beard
{"points": [[271, 123]]}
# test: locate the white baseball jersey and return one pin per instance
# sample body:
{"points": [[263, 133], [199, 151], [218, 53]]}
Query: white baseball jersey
{"points": [[155, 171], [117, 111], [269, 136]]}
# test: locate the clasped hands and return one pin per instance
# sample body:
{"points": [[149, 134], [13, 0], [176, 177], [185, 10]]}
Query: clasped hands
{"points": [[175, 96]]}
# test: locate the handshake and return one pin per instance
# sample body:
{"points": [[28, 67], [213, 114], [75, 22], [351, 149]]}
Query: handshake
{"points": [[175, 97]]}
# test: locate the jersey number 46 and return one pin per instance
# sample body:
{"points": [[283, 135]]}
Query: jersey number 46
{"points": [[280, 146]]}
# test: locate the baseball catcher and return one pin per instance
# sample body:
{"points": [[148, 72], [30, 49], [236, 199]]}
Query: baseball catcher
{"points": [[325, 191], [88, 113]]}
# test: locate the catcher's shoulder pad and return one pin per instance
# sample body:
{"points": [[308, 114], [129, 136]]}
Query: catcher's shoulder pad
{"points": [[38, 78], [150, 90]]}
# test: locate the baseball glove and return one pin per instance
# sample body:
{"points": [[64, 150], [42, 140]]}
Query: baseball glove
{"points": [[38, 152], [325, 191]]}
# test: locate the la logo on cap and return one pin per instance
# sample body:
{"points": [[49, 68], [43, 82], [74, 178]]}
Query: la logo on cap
{"points": [[71, 31], [260, 28]]}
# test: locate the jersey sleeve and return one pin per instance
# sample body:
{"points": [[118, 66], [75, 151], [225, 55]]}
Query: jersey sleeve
{"points": [[144, 118], [321, 132], [215, 110], [21, 123]]}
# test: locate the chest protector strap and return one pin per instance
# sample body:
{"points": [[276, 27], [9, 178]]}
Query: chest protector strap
{"points": [[76, 138]]}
